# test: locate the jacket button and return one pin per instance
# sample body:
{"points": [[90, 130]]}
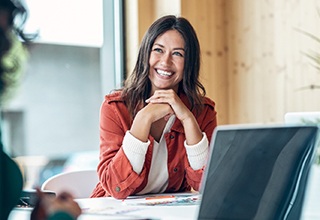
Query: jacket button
{"points": [[171, 136], [175, 169], [118, 189]]}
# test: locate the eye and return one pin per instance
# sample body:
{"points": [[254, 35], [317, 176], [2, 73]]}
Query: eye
{"points": [[176, 53], [159, 50]]}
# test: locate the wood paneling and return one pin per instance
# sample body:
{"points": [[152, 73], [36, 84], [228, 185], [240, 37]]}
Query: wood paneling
{"points": [[253, 64], [265, 65], [208, 19]]}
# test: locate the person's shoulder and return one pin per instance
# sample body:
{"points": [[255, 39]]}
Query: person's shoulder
{"points": [[208, 101], [115, 96]]}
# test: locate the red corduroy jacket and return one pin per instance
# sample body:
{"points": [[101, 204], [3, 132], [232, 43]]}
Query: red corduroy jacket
{"points": [[116, 175]]}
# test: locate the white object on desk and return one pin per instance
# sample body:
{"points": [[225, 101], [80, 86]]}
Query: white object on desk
{"points": [[79, 183]]}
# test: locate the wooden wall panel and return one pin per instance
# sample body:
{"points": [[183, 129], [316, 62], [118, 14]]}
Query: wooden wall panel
{"points": [[253, 81], [146, 16], [253, 64], [207, 17], [265, 65], [300, 74]]}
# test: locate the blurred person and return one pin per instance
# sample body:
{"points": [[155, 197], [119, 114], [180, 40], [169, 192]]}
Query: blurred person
{"points": [[12, 52], [155, 132], [62, 207], [12, 57]]}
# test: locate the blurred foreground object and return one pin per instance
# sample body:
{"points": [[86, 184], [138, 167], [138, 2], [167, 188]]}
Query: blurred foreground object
{"points": [[62, 207]]}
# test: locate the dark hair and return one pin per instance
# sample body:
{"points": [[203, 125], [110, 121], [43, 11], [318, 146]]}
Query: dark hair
{"points": [[11, 11], [138, 86], [17, 11]]}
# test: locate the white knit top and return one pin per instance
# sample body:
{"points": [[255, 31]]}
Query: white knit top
{"points": [[136, 150]]}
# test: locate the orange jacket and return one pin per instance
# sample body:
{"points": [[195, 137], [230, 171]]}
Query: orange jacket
{"points": [[117, 177]]}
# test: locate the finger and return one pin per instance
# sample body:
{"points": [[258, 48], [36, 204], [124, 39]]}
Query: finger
{"points": [[158, 100], [160, 94], [40, 194]]}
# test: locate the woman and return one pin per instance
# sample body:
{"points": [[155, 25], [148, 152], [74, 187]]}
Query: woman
{"points": [[155, 132]]}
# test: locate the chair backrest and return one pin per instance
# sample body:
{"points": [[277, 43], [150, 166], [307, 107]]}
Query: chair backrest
{"points": [[79, 183]]}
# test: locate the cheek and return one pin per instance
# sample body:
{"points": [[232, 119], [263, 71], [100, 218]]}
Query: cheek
{"points": [[180, 65], [152, 59]]}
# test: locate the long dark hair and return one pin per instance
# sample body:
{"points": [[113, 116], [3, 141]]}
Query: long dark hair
{"points": [[137, 87]]}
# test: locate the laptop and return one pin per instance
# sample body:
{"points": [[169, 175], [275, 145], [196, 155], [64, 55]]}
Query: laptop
{"points": [[257, 172]]}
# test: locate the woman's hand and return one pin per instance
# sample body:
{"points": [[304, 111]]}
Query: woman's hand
{"points": [[156, 111], [170, 97], [151, 113]]}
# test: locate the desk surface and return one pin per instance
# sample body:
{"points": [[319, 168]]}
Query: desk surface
{"points": [[110, 208]]}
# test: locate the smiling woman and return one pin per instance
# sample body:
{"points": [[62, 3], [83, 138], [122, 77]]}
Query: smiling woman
{"points": [[155, 132], [167, 61]]}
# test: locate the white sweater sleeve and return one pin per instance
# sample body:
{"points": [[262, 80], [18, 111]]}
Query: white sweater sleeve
{"points": [[198, 153], [135, 150]]}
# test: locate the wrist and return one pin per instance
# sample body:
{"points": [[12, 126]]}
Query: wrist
{"points": [[189, 120], [192, 130]]}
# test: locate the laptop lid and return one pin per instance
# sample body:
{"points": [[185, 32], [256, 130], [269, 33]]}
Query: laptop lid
{"points": [[257, 172]]}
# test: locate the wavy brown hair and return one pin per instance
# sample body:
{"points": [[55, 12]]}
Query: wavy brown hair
{"points": [[137, 87]]}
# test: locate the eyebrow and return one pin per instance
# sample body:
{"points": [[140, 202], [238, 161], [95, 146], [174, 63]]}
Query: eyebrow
{"points": [[177, 48]]}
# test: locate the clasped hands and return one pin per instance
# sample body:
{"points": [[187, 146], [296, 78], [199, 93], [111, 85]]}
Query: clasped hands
{"points": [[164, 103]]}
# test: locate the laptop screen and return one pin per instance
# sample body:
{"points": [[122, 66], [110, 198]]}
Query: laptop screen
{"points": [[257, 172]]}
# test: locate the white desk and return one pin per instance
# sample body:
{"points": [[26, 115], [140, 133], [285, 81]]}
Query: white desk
{"points": [[110, 208], [311, 210], [110, 205]]}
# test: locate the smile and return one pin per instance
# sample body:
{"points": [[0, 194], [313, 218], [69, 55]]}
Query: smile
{"points": [[164, 73]]}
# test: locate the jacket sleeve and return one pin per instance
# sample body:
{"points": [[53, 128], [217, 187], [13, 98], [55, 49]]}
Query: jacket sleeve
{"points": [[116, 174], [207, 122]]}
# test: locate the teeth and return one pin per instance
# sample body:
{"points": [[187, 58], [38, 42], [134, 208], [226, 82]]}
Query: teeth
{"points": [[164, 73]]}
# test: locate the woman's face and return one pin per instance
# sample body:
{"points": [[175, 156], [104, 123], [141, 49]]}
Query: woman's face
{"points": [[167, 61]]}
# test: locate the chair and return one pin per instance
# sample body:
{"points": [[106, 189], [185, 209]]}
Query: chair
{"points": [[79, 183]]}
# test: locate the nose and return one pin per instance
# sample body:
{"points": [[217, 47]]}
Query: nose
{"points": [[165, 59]]}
